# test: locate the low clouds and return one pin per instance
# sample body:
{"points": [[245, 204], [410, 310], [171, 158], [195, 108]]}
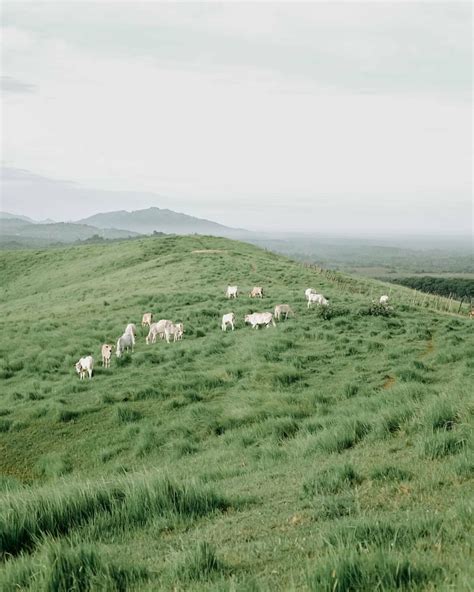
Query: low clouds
{"points": [[8, 84]]}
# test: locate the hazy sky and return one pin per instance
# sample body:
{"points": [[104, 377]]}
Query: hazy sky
{"points": [[314, 116]]}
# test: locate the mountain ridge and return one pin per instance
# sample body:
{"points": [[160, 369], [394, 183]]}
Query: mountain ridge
{"points": [[148, 220]]}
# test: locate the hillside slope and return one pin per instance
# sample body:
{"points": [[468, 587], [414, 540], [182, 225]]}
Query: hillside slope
{"points": [[160, 220], [322, 454]]}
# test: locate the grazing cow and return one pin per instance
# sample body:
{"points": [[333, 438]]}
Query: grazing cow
{"points": [[175, 330], [309, 291], [259, 318], [471, 314], [231, 292], [318, 299], [383, 299], [228, 319], [106, 354], [131, 330], [257, 292], [282, 309], [126, 342], [157, 329], [85, 366], [147, 319]]}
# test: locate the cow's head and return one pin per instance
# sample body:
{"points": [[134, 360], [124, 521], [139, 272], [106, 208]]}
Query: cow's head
{"points": [[78, 367]]}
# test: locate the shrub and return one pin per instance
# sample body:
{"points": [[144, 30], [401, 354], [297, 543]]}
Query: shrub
{"points": [[330, 312], [377, 310]]}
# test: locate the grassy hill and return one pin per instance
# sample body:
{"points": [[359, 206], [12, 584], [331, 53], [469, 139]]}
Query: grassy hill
{"points": [[332, 452], [15, 233]]}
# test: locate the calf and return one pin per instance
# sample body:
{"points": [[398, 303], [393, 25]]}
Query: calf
{"points": [[231, 292], [318, 299], [228, 319], [282, 309], [85, 366], [131, 330], [175, 330], [147, 319], [256, 292], [126, 342], [106, 354]]}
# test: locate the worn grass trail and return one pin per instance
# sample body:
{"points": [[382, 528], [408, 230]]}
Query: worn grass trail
{"points": [[332, 452]]}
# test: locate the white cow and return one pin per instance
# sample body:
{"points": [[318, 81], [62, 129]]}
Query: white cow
{"points": [[259, 318], [309, 291], [106, 354], [282, 309], [147, 319], [126, 342], [231, 292], [85, 366], [174, 329], [318, 299], [131, 330], [228, 319], [157, 329], [256, 292], [383, 299]]}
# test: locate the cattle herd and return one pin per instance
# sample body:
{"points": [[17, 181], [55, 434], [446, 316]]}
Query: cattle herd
{"points": [[168, 330]]}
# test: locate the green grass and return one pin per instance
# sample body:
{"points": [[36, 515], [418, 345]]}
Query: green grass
{"points": [[332, 452]]}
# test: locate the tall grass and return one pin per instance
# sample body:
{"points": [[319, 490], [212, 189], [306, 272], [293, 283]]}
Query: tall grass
{"points": [[25, 519], [353, 572]]}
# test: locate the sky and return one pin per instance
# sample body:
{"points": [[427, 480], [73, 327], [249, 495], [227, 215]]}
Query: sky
{"points": [[319, 116]]}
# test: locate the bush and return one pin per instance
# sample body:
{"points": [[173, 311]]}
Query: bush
{"points": [[377, 310], [330, 312]]}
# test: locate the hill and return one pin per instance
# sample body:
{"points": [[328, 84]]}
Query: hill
{"points": [[8, 216], [331, 452], [160, 220], [18, 232]]}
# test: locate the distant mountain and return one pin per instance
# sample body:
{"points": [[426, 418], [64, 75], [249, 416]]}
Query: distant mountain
{"points": [[8, 216], [25, 233], [161, 220]]}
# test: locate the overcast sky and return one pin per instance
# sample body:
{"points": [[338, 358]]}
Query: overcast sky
{"points": [[352, 117]]}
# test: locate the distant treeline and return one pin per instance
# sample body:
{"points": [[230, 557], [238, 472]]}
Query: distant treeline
{"points": [[443, 286]]}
